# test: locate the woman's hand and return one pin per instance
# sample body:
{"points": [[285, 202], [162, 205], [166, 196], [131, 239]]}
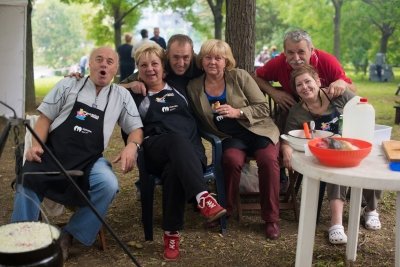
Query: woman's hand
{"points": [[227, 111], [34, 154], [287, 152]]}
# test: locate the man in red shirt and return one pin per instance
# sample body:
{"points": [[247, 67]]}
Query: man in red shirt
{"points": [[299, 50]]}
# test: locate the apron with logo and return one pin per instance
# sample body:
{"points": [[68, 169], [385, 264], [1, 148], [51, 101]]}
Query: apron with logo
{"points": [[169, 112], [77, 143], [328, 122]]}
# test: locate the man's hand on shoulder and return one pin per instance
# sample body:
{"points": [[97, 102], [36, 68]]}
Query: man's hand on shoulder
{"points": [[136, 87], [283, 99], [337, 88]]}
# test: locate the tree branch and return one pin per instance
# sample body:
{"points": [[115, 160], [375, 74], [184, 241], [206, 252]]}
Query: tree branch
{"points": [[129, 11]]}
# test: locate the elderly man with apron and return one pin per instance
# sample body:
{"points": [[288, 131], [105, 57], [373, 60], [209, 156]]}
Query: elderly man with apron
{"points": [[76, 121]]}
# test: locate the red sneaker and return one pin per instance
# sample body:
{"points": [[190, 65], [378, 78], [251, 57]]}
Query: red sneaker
{"points": [[210, 208], [171, 246]]}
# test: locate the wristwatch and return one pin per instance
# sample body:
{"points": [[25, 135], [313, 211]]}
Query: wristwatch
{"points": [[137, 144], [241, 113]]}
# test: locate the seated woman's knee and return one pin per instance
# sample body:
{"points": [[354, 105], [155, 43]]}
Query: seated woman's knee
{"points": [[180, 146], [234, 158], [176, 141], [267, 158]]}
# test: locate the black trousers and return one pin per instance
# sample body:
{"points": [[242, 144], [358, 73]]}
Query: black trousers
{"points": [[174, 159]]}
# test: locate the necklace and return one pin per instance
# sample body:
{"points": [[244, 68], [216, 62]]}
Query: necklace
{"points": [[320, 104]]}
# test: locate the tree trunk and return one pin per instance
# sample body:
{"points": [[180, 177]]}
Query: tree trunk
{"points": [[117, 34], [387, 31], [216, 9], [30, 97], [384, 42], [218, 26], [240, 31], [336, 24]]}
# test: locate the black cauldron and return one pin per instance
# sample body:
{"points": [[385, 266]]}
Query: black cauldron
{"points": [[48, 256]]}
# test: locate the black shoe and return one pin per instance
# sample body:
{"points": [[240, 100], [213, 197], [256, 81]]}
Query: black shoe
{"points": [[65, 244], [284, 182]]}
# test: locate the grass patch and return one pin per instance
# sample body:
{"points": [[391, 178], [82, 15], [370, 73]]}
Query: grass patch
{"points": [[382, 96], [44, 85]]}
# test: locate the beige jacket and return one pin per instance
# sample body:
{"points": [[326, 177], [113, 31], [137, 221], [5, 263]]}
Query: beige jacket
{"points": [[241, 92]]}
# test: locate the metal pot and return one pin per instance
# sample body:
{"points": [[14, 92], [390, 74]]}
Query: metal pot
{"points": [[49, 255]]}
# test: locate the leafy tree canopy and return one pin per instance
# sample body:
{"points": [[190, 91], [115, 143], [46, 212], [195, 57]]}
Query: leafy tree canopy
{"points": [[58, 35]]}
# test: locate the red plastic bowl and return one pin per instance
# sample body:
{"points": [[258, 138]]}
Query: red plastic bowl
{"points": [[341, 158]]}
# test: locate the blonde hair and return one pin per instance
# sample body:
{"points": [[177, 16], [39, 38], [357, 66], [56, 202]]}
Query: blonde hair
{"points": [[128, 37], [150, 48], [218, 48]]}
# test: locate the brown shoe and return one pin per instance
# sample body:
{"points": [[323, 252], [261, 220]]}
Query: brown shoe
{"points": [[65, 244], [272, 230]]}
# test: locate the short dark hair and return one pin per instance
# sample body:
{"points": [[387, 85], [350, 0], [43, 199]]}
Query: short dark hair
{"points": [[144, 33], [179, 38]]}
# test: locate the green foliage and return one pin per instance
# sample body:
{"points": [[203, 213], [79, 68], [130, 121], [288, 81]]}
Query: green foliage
{"points": [[384, 14], [98, 29], [269, 26], [360, 38], [44, 85], [102, 25], [314, 16], [107, 16], [198, 13], [58, 36], [381, 96]]}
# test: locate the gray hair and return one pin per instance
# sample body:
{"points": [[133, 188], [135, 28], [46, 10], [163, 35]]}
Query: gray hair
{"points": [[297, 36]]}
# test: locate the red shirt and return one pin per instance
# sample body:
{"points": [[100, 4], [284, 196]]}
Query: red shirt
{"points": [[328, 67]]}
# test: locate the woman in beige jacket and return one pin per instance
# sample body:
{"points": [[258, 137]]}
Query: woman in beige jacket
{"points": [[229, 104]]}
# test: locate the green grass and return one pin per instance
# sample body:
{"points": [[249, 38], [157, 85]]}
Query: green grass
{"points": [[380, 95], [44, 85]]}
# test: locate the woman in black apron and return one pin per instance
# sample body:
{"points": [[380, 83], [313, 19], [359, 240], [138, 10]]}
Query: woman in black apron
{"points": [[172, 148]]}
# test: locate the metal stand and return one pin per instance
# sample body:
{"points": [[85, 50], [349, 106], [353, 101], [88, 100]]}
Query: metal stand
{"points": [[67, 174]]}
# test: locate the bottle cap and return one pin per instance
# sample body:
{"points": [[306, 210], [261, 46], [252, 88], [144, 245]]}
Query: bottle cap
{"points": [[363, 100]]}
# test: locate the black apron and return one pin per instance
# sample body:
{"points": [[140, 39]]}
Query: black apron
{"points": [[328, 122], [77, 143], [169, 112]]}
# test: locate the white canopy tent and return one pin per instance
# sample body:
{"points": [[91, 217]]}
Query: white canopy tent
{"points": [[13, 17]]}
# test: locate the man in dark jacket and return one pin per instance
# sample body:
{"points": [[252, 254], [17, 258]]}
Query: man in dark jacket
{"points": [[181, 66]]}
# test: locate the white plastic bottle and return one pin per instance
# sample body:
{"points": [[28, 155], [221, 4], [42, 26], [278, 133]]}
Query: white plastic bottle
{"points": [[359, 120]]}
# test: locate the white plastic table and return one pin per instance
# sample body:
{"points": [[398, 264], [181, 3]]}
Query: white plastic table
{"points": [[372, 173]]}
